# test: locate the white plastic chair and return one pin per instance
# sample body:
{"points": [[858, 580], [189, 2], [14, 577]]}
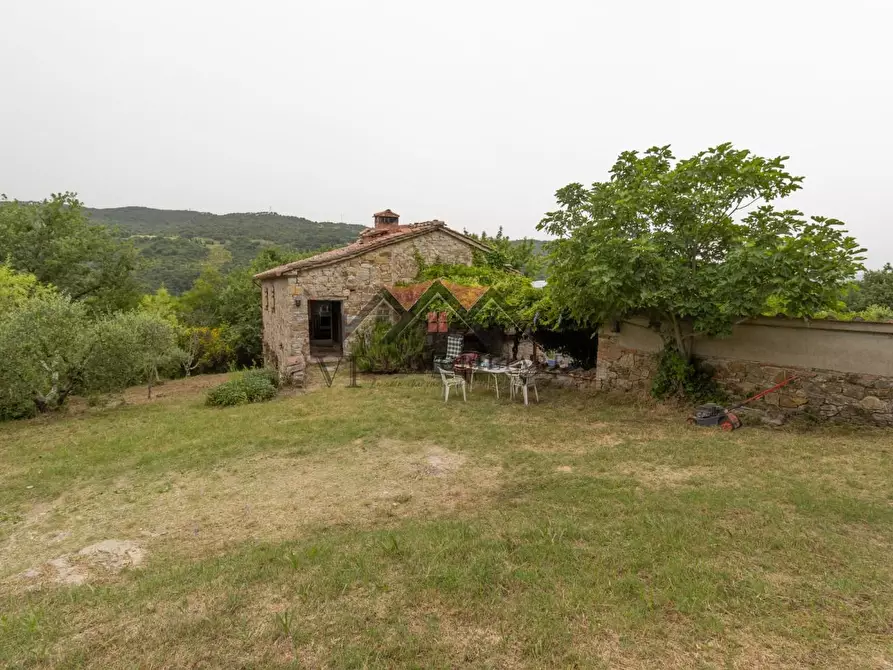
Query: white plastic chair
{"points": [[450, 379], [522, 376], [523, 364]]}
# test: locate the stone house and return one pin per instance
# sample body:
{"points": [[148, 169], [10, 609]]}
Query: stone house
{"points": [[311, 307]]}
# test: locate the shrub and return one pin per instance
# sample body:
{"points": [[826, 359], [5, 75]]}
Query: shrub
{"points": [[53, 348], [13, 406], [875, 313], [249, 386], [227, 394], [376, 351], [268, 374], [258, 388], [679, 378]]}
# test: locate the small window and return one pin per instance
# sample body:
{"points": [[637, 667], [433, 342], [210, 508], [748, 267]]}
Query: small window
{"points": [[266, 298], [272, 298]]}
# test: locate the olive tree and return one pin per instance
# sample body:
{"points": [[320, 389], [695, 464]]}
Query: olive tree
{"points": [[53, 348], [46, 344]]}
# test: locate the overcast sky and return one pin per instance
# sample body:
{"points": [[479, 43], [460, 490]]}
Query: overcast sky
{"points": [[471, 112]]}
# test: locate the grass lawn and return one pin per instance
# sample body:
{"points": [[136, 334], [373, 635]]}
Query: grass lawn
{"points": [[378, 527]]}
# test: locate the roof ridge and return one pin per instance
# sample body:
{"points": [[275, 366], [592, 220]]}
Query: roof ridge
{"points": [[367, 241]]}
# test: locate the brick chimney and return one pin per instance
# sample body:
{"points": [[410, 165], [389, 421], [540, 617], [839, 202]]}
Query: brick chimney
{"points": [[386, 220]]}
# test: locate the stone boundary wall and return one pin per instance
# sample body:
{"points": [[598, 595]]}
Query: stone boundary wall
{"points": [[845, 369], [822, 394]]}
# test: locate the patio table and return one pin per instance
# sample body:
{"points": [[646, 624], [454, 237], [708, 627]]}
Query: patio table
{"points": [[494, 373]]}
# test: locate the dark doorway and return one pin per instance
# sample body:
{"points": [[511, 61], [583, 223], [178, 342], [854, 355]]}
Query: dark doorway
{"points": [[325, 323]]}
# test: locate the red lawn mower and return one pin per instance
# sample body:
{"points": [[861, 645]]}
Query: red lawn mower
{"points": [[712, 414]]}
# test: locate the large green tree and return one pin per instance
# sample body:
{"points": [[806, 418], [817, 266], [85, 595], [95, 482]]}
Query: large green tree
{"points": [[54, 241], [697, 244], [524, 255], [231, 302], [875, 288]]}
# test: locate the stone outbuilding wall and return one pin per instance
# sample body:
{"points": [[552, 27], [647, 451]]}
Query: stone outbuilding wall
{"points": [[355, 281], [825, 394], [845, 369]]}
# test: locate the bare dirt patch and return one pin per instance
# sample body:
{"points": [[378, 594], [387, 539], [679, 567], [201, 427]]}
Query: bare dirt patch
{"points": [[108, 557], [440, 462], [265, 498], [176, 388]]}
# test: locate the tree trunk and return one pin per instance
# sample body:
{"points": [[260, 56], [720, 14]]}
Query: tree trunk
{"points": [[680, 341], [41, 403]]}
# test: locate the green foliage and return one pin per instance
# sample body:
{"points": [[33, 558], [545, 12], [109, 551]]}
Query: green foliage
{"points": [[245, 387], [175, 244], [231, 302], [200, 305], [16, 288], [161, 304], [172, 262], [258, 388], [677, 240], [204, 349], [376, 351], [155, 347], [227, 394], [53, 348], [519, 304], [870, 313], [132, 347], [240, 308], [47, 345], [876, 313], [678, 377], [875, 288], [523, 256], [55, 242]]}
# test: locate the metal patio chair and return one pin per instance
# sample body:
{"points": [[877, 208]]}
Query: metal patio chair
{"points": [[453, 349]]}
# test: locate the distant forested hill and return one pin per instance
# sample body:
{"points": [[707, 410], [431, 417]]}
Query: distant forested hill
{"points": [[174, 243]]}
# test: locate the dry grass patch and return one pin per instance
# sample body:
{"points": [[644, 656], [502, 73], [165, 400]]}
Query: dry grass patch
{"points": [[655, 475], [269, 498], [382, 528]]}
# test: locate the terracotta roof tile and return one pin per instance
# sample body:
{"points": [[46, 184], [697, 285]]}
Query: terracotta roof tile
{"points": [[370, 239], [466, 295], [410, 294]]}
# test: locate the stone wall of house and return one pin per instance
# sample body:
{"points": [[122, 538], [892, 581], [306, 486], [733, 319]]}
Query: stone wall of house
{"points": [[857, 388], [282, 327], [356, 282]]}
